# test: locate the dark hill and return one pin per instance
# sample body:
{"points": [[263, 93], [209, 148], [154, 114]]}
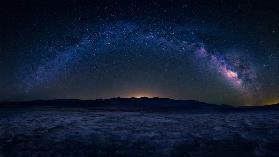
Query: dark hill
{"points": [[131, 104]]}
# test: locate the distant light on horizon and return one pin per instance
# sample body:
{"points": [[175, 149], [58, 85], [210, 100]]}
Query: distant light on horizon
{"points": [[143, 93], [142, 96]]}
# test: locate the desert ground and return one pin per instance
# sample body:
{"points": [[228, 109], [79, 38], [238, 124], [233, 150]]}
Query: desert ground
{"points": [[35, 132]]}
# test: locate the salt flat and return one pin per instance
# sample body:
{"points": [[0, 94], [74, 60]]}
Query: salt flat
{"points": [[87, 133]]}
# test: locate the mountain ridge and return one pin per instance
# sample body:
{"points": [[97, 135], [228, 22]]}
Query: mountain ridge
{"points": [[132, 104]]}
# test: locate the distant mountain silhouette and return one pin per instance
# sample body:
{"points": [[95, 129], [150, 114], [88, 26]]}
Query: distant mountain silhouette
{"points": [[132, 104]]}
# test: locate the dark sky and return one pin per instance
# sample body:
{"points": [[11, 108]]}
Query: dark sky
{"points": [[213, 51]]}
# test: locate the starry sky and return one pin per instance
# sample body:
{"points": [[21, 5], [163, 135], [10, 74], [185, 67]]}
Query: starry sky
{"points": [[223, 52]]}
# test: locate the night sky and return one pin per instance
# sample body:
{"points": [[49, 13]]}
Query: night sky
{"points": [[212, 51]]}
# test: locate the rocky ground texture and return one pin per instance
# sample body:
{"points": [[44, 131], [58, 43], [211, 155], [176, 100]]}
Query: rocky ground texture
{"points": [[136, 134]]}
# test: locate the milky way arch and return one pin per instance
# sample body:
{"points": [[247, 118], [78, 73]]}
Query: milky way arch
{"points": [[172, 38]]}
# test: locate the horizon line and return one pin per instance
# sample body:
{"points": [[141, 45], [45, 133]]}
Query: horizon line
{"points": [[118, 97]]}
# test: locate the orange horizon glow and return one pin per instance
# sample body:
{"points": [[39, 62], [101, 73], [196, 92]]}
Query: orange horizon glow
{"points": [[142, 93], [272, 102]]}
